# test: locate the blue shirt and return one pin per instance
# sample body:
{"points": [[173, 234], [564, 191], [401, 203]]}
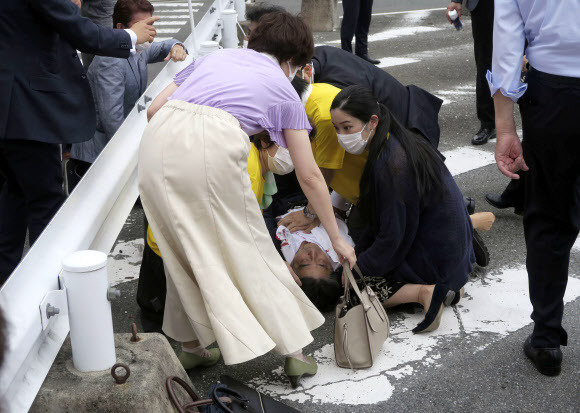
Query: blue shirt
{"points": [[552, 29]]}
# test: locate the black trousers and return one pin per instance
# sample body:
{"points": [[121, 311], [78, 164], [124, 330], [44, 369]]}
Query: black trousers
{"points": [[482, 28], [551, 144], [29, 198], [356, 22], [514, 193]]}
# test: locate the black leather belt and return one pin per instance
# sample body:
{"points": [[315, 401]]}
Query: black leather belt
{"points": [[556, 78]]}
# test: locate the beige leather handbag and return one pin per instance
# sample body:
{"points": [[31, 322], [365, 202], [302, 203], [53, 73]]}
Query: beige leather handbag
{"points": [[359, 331]]}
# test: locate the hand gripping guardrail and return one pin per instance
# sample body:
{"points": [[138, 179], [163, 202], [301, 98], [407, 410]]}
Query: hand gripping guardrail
{"points": [[33, 299]]}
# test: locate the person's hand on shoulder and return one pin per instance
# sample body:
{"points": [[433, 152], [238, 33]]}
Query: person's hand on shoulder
{"points": [[177, 53], [297, 221], [144, 29], [453, 6]]}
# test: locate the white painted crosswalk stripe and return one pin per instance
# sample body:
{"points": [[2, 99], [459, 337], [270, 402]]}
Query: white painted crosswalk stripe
{"points": [[171, 23], [396, 32], [176, 4], [465, 159], [162, 31], [424, 55]]}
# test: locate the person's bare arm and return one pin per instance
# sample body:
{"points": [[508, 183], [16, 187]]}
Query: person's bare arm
{"points": [[313, 184], [160, 100], [508, 148]]}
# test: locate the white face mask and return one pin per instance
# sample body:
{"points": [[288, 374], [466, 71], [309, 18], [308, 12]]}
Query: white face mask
{"points": [[281, 163], [291, 74], [245, 44], [142, 46], [354, 142]]}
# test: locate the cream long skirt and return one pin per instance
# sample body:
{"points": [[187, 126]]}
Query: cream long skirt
{"points": [[225, 279]]}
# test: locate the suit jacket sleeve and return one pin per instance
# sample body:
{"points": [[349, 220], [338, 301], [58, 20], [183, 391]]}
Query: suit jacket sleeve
{"points": [[109, 93], [159, 50], [64, 18]]}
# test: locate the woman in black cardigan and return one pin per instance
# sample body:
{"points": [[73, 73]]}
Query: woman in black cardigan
{"points": [[414, 232]]}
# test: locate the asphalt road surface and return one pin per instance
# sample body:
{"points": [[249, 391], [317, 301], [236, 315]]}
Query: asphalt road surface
{"points": [[474, 361]]}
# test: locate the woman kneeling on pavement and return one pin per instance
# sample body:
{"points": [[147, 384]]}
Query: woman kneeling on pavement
{"points": [[413, 234], [225, 280]]}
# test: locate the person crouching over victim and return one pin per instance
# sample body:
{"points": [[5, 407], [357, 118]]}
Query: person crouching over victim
{"points": [[416, 237]]}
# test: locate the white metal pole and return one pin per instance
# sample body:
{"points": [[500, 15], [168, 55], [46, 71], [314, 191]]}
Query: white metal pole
{"points": [[192, 24], [91, 322], [230, 37], [240, 6]]}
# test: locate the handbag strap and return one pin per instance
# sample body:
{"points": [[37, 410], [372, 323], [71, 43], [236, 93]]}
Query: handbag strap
{"points": [[349, 279]]}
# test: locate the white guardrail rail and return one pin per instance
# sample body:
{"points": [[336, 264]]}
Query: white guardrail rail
{"points": [[91, 218]]}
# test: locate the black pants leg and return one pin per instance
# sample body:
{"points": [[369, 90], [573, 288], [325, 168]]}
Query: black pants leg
{"points": [[362, 27], [514, 193], [552, 208], [31, 195], [350, 10], [482, 27]]}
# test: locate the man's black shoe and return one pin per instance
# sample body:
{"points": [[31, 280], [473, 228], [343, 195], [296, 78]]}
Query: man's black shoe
{"points": [[483, 136], [499, 202], [548, 361], [369, 59], [469, 204], [480, 250]]}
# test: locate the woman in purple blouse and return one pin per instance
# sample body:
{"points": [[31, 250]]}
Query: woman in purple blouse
{"points": [[226, 281]]}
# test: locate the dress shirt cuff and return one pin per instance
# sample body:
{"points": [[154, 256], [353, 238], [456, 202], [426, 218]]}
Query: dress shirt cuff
{"points": [[512, 93], [133, 39]]}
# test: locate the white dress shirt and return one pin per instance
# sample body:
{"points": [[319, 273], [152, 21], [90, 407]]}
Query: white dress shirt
{"points": [[552, 29]]}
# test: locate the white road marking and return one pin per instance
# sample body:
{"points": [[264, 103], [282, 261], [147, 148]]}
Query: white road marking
{"points": [[161, 39], [160, 12], [168, 30], [174, 16], [406, 11], [171, 23], [420, 56], [397, 32], [176, 4], [464, 159], [492, 308], [576, 245], [124, 261]]}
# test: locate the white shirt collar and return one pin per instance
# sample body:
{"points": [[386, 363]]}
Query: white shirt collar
{"points": [[271, 57]]}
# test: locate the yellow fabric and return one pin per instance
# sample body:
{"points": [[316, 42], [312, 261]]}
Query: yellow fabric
{"points": [[327, 151], [256, 178]]}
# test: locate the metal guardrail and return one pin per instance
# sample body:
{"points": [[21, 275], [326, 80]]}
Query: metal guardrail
{"points": [[91, 218]]}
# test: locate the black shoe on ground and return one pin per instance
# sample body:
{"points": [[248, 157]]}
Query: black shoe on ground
{"points": [[469, 204], [499, 202], [369, 59], [548, 361], [480, 250], [483, 136]]}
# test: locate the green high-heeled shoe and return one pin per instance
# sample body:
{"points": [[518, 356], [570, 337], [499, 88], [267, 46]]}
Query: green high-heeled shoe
{"points": [[190, 361], [295, 369]]}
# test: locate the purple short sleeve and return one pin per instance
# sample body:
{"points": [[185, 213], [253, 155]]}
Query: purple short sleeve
{"points": [[185, 73], [287, 115]]}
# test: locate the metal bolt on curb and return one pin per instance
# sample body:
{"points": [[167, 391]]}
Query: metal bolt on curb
{"points": [[113, 293], [51, 311], [134, 338], [120, 379]]}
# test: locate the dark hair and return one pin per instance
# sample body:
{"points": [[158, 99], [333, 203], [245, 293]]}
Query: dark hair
{"points": [[422, 160], [323, 292], [125, 10], [284, 36], [300, 85], [257, 10]]}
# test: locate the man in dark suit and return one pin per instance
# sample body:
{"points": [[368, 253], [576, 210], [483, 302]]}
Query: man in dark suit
{"points": [[45, 101], [356, 21], [482, 29], [414, 107]]}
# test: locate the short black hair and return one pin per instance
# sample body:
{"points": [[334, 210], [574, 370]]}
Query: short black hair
{"points": [[323, 292], [256, 11]]}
